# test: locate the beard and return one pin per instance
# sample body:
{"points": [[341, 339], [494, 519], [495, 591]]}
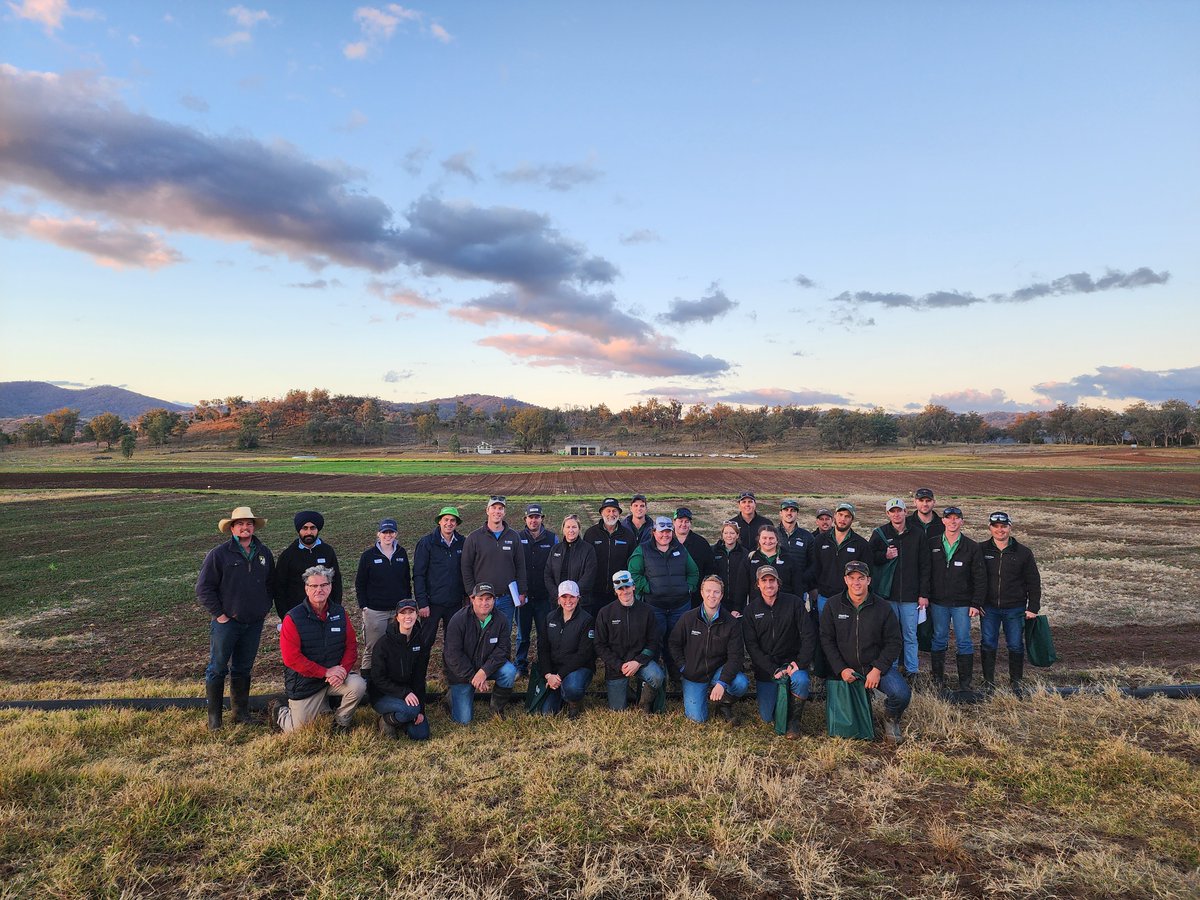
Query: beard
{"points": [[308, 539]]}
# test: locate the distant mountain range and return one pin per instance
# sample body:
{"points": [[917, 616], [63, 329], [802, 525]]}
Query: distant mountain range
{"points": [[36, 398]]}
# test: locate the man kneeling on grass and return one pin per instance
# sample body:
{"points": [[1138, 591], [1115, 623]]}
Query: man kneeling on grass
{"points": [[398, 675], [707, 646], [780, 639], [476, 651], [319, 648], [861, 634]]}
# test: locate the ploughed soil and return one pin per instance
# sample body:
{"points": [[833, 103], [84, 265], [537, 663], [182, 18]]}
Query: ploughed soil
{"points": [[620, 481]]}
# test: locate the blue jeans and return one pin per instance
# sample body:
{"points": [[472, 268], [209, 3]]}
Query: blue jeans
{"points": [[1014, 629], [695, 695], [574, 686], [462, 696], [650, 674], [232, 648], [505, 607], [666, 619], [895, 689], [907, 614], [942, 617], [532, 615], [406, 715], [767, 691]]}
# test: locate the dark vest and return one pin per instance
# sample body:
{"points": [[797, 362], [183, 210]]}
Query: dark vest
{"points": [[322, 642], [667, 574]]}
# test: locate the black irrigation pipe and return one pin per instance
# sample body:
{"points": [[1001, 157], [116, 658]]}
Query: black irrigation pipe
{"points": [[1171, 691]]}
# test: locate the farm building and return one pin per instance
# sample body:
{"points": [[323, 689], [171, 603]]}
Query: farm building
{"points": [[582, 450]]}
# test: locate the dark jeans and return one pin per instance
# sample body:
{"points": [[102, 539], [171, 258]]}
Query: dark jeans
{"points": [[232, 647], [666, 619], [574, 686], [532, 614], [437, 613], [1013, 621], [406, 715]]}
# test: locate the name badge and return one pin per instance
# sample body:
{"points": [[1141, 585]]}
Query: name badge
{"points": [[759, 615], [506, 547], [697, 633], [849, 549], [674, 552], [622, 543], [335, 629], [322, 560], [843, 616], [551, 625], [958, 562], [416, 648], [494, 640], [524, 540], [378, 562], [615, 622], [591, 634]]}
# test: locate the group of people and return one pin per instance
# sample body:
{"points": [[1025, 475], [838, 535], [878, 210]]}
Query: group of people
{"points": [[647, 596]]}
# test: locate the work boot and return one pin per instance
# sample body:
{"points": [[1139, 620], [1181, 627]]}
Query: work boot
{"points": [[273, 707], [239, 699], [891, 730], [1016, 669], [725, 709], [574, 708], [987, 659], [389, 726], [966, 664], [795, 715], [937, 662], [216, 702], [646, 700], [500, 698]]}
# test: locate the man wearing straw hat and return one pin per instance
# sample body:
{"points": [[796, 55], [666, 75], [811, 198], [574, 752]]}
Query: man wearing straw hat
{"points": [[235, 585]]}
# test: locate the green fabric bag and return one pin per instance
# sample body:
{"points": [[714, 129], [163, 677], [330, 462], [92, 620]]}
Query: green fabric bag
{"points": [[781, 704], [847, 709], [1039, 642], [537, 691], [925, 634], [883, 576]]}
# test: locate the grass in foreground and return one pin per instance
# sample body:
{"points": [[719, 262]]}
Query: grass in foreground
{"points": [[1046, 798]]}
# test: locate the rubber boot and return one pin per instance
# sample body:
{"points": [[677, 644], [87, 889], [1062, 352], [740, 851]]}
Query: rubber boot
{"points": [[937, 662], [987, 659], [574, 708], [1016, 670], [891, 730], [795, 715], [646, 700], [725, 709], [966, 665], [239, 699], [389, 726], [500, 698], [216, 702]]}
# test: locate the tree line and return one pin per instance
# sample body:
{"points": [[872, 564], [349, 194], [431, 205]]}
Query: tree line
{"points": [[317, 417]]}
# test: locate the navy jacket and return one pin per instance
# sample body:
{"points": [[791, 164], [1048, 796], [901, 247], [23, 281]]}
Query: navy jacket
{"points": [[381, 583], [437, 571], [564, 647], [231, 585], [290, 568]]}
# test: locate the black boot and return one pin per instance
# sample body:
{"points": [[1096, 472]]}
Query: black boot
{"points": [[1016, 670], [987, 659], [389, 726], [966, 665], [239, 699], [891, 729], [795, 715], [216, 702], [937, 663], [574, 708], [500, 698], [647, 698], [725, 708]]}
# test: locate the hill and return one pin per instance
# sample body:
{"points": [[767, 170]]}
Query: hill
{"points": [[489, 403], [36, 398]]}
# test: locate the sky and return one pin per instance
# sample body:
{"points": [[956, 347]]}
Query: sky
{"points": [[987, 206]]}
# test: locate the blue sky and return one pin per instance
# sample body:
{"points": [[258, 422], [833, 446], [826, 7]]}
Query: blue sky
{"points": [[991, 206]]}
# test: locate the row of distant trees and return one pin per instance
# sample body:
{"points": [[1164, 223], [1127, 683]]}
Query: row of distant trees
{"points": [[318, 418]]}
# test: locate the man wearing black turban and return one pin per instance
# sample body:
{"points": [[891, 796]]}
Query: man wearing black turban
{"points": [[306, 551]]}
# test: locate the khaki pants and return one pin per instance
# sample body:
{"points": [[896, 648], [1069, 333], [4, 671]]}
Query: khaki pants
{"points": [[375, 623], [300, 712]]}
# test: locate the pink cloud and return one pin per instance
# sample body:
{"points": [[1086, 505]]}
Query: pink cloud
{"points": [[614, 356]]}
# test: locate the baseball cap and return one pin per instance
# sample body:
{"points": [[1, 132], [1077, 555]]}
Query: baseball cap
{"points": [[683, 513], [496, 498], [609, 501], [824, 511], [637, 497], [533, 509], [568, 587], [894, 503], [999, 518], [857, 566], [387, 525], [952, 511], [923, 494], [790, 504], [621, 578], [662, 523], [483, 588], [746, 495], [407, 603], [767, 572], [849, 507]]}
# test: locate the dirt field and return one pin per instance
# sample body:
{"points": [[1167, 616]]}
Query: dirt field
{"points": [[1111, 482]]}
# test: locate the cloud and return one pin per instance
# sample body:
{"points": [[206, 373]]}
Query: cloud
{"points": [[754, 397], [611, 356], [641, 236], [401, 295], [50, 13], [556, 177], [233, 40], [248, 18], [115, 247], [377, 26], [973, 400], [460, 164], [1126, 383], [319, 284], [709, 307], [804, 281], [560, 309], [194, 103], [392, 376], [1077, 283], [414, 160], [356, 120]]}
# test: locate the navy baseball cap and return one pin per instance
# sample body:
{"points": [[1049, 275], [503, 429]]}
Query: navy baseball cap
{"points": [[610, 501], [533, 509], [858, 566], [387, 525], [923, 494], [952, 511], [999, 518], [683, 513]]}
